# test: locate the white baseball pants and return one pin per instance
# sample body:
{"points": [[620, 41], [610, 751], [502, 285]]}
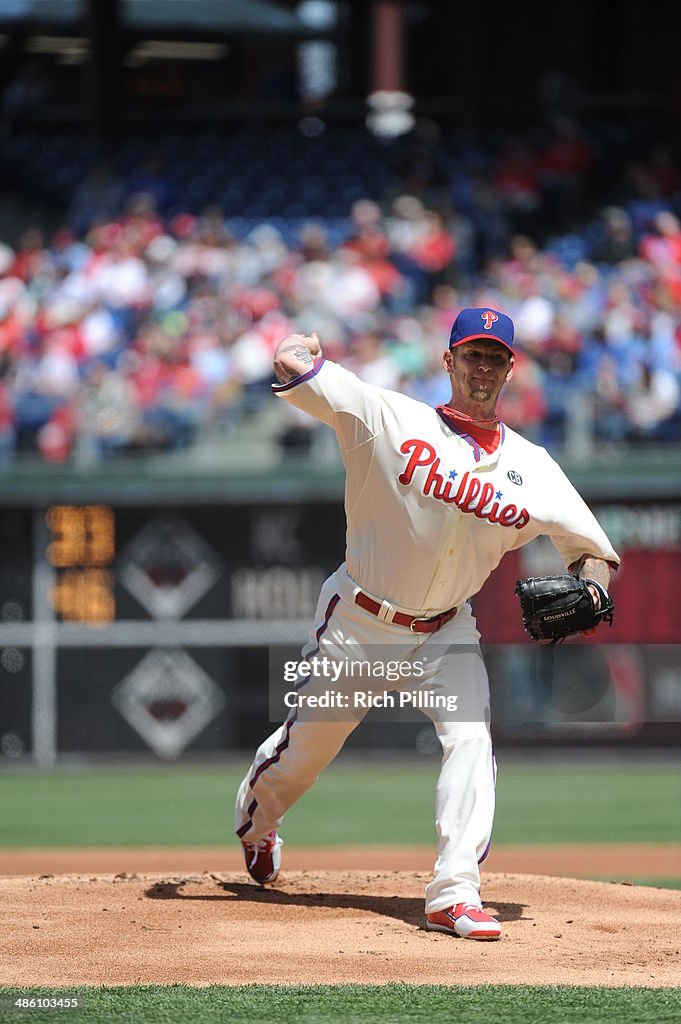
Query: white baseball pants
{"points": [[290, 760]]}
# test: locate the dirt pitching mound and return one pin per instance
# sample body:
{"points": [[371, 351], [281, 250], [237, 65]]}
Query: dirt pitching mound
{"points": [[342, 926]]}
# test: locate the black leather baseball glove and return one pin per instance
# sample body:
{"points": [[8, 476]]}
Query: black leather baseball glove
{"points": [[558, 606]]}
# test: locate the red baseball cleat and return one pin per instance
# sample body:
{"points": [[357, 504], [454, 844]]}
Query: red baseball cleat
{"points": [[263, 858], [466, 920]]}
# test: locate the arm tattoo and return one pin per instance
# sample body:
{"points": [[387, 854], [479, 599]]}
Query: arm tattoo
{"points": [[303, 356], [284, 373], [596, 569], [293, 346]]}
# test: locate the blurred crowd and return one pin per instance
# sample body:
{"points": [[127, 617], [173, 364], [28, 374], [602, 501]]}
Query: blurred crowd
{"points": [[138, 327]]}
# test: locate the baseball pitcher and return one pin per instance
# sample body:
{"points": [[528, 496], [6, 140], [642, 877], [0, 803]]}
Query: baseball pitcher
{"points": [[433, 500]]}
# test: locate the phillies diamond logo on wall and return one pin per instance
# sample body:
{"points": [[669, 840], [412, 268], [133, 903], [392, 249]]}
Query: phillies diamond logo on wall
{"points": [[168, 700], [168, 567], [489, 317]]}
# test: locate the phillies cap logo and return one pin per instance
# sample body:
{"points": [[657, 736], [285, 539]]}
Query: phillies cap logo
{"points": [[495, 325]]}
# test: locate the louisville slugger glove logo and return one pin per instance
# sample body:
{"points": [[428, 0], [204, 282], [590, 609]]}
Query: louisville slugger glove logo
{"points": [[472, 495], [489, 318]]}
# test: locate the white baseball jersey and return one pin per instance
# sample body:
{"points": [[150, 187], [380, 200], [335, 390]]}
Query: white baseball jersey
{"points": [[429, 513]]}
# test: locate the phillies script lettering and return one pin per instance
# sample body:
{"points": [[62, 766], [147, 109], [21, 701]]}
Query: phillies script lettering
{"points": [[471, 495]]}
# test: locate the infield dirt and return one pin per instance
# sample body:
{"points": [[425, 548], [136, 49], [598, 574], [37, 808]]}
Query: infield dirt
{"points": [[328, 927], [612, 861]]}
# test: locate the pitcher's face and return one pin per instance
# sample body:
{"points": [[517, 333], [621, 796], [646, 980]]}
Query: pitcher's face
{"points": [[478, 370]]}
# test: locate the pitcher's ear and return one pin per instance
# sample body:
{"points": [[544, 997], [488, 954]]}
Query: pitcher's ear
{"points": [[511, 366]]}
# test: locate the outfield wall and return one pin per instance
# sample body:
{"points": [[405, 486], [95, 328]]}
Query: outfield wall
{"points": [[128, 623]]}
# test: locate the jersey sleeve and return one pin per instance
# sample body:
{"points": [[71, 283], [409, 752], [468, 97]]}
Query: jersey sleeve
{"points": [[339, 398], [574, 530]]}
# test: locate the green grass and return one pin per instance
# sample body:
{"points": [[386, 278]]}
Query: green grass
{"points": [[354, 802], [656, 883], [357, 1004]]}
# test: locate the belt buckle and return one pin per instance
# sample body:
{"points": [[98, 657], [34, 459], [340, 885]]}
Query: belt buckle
{"points": [[422, 619]]}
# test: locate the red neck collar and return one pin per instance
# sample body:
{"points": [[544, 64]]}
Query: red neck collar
{"points": [[485, 433], [462, 419]]}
